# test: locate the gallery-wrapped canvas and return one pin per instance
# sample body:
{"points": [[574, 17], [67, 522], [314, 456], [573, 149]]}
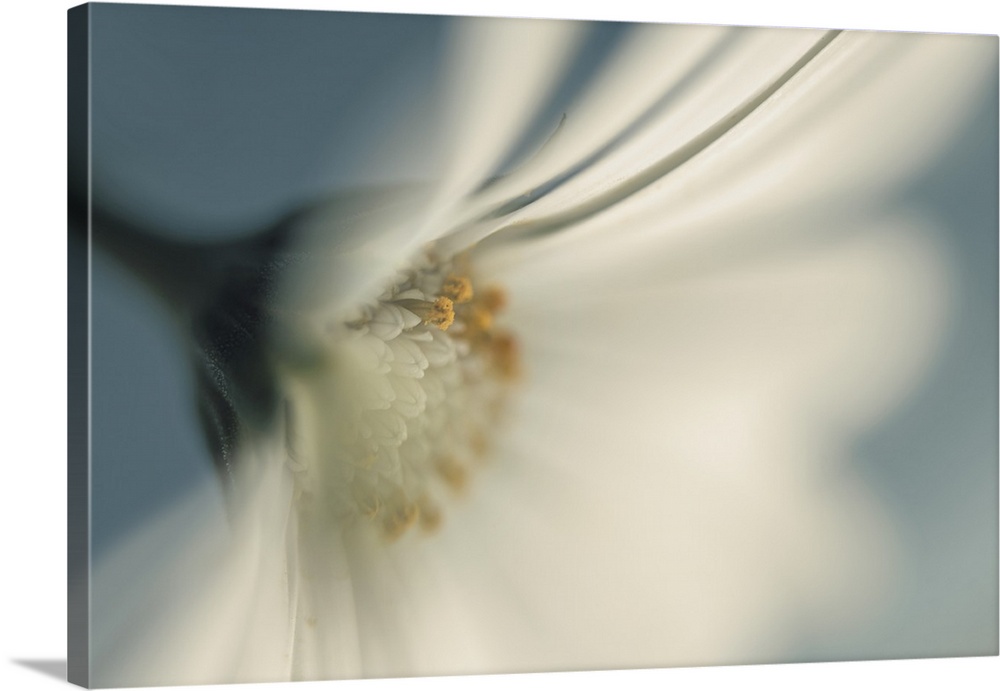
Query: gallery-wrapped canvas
{"points": [[413, 345]]}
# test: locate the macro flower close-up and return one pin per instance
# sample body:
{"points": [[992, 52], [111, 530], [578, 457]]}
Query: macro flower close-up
{"points": [[438, 345]]}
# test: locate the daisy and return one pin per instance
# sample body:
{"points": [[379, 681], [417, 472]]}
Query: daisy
{"points": [[586, 407]]}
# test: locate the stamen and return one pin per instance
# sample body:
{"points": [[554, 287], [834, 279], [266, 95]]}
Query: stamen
{"points": [[455, 474], [457, 288], [494, 299], [399, 520], [430, 516], [478, 319], [440, 313], [506, 355], [416, 406]]}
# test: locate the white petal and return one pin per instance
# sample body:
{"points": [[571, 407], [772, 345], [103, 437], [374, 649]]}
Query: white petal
{"points": [[187, 601], [855, 121], [675, 487], [665, 87], [500, 71]]}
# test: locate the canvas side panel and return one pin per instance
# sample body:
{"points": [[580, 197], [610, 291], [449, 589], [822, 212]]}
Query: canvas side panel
{"points": [[78, 365]]}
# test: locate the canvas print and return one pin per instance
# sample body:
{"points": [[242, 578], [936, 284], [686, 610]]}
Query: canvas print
{"points": [[427, 345]]}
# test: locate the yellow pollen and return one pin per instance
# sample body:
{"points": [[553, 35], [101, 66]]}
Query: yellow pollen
{"points": [[440, 313], [430, 516], [494, 299], [506, 356], [454, 474], [406, 459], [457, 288], [478, 319], [399, 520], [443, 313]]}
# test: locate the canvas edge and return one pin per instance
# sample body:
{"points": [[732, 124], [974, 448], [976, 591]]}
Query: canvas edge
{"points": [[78, 350]]}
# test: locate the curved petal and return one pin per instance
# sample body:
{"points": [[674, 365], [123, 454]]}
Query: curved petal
{"points": [[190, 599], [851, 124], [498, 72], [663, 89]]}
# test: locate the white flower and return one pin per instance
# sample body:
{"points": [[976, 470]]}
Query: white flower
{"points": [[710, 292]]}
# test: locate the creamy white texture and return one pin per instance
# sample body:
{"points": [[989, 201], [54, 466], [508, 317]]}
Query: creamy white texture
{"points": [[403, 404]]}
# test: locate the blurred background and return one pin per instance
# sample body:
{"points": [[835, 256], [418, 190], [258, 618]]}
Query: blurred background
{"points": [[212, 122]]}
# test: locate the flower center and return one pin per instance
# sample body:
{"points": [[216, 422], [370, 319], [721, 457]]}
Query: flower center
{"points": [[413, 387]]}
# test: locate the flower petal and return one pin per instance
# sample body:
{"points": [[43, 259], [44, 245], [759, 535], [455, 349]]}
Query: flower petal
{"points": [[700, 509], [850, 123]]}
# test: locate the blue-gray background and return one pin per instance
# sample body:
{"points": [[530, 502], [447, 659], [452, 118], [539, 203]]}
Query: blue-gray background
{"points": [[208, 122]]}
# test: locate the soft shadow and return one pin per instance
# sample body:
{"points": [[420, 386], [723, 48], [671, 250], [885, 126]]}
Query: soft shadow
{"points": [[51, 668]]}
